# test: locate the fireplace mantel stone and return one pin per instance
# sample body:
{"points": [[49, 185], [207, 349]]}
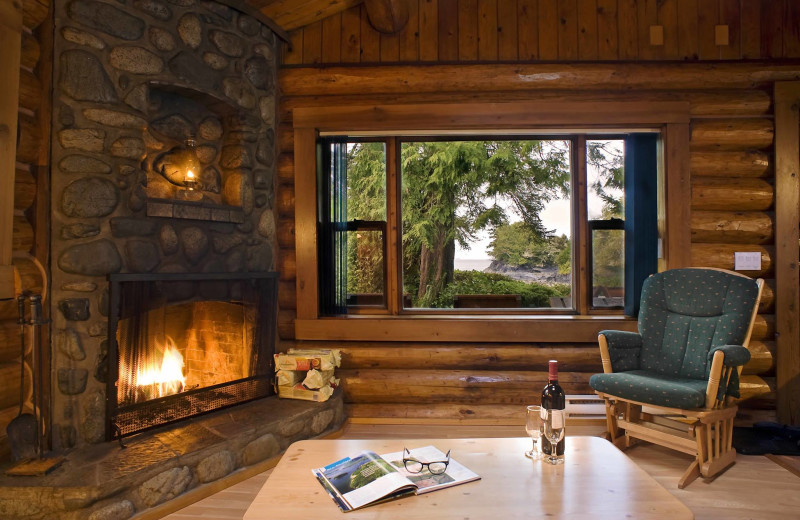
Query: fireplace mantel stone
{"points": [[104, 481]]}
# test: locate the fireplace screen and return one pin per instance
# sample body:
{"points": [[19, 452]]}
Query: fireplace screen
{"points": [[187, 344]]}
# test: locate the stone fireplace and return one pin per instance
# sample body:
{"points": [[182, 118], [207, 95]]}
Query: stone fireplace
{"points": [[134, 80]]}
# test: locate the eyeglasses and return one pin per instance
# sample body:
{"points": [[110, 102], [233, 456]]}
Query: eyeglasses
{"points": [[436, 467]]}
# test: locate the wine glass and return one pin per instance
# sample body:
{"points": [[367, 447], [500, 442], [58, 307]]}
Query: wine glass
{"points": [[554, 431], [533, 425]]}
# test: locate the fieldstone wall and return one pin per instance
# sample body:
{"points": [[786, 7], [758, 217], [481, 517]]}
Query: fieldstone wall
{"points": [[133, 79]]}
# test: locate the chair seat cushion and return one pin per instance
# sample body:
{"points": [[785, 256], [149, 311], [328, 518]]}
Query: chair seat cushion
{"points": [[652, 388]]}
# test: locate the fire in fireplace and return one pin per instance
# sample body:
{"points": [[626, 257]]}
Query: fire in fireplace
{"points": [[187, 344]]}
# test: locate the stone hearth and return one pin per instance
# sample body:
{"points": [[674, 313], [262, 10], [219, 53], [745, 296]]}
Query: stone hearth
{"points": [[105, 482]]}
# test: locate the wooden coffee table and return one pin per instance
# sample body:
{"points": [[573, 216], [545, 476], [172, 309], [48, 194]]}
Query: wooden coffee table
{"points": [[596, 481]]}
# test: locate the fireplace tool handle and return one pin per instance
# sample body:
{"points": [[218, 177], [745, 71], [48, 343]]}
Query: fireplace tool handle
{"points": [[36, 367]]}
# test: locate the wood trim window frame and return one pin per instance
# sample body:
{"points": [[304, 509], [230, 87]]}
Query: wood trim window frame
{"points": [[671, 118]]}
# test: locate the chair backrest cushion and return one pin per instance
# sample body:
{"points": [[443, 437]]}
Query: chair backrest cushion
{"points": [[686, 312]]}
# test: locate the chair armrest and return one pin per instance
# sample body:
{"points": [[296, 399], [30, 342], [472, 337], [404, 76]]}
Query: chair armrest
{"points": [[619, 350], [735, 355], [724, 382]]}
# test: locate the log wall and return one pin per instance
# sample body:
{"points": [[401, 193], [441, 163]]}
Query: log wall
{"points": [[29, 239], [555, 30], [731, 160]]}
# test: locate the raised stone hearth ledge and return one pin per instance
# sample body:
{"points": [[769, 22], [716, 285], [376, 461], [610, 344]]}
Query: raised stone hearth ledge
{"points": [[105, 482]]}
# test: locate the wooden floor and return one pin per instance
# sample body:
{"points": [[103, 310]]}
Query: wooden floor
{"points": [[754, 488]]}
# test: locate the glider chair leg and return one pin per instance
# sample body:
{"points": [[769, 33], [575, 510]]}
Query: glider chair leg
{"points": [[715, 452], [690, 475], [613, 433]]}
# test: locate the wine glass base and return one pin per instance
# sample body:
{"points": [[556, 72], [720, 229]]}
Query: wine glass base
{"points": [[555, 461], [533, 454]]}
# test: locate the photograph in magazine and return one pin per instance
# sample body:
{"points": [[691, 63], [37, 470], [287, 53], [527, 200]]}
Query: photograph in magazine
{"points": [[357, 472]]}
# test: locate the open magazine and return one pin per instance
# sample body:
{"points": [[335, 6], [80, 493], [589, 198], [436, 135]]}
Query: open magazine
{"points": [[369, 478]]}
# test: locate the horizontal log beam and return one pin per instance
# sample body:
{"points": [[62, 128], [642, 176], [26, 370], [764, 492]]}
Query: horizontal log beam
{"points": [[757, 391], [34, 12], [285, 138], [764, 328], [735, 227], [30, 51], [287, 295], [453, 116], [10, 347], [284, 200], [762, 358], [285, 233], [731, 163], [713, 193], [701, 103], [442, 413], [30, 140], [287, 265], [488, 329], [285, 168], [443, 386], [767, 303], [737, 134], [571, 358], [9, 390], [721, 256], [30, 91], [628, 77]]}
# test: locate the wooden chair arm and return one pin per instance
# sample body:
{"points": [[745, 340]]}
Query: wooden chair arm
{"points": [[717, 364], [604, 354]]}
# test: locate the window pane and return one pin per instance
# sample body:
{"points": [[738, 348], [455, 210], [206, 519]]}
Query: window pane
{"points": [[486, 224], [365, 268], [608, 272], [605, 178], [366, 181], [358, 216]]}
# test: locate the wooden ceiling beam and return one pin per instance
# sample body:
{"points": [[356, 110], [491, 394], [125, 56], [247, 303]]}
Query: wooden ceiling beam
{"points": [[387, 16], [291, 14]]}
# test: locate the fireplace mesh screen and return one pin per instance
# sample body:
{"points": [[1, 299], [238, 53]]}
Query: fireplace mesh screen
{"points": [[170, 409]]}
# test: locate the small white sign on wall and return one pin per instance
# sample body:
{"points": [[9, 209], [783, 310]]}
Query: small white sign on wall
{"points": [[747, 261]]}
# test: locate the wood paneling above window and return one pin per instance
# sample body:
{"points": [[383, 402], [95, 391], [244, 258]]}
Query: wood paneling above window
{"points": [[487, 31]]}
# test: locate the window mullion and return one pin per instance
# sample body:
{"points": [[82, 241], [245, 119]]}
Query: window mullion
{"points": [[392, 254], [581, 270]]}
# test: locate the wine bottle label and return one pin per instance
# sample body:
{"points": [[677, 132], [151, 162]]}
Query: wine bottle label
{"points": [[558, 421], [543, 413]]}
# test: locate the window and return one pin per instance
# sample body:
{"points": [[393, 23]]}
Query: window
{"points": [[485, 224], [664, 123]]}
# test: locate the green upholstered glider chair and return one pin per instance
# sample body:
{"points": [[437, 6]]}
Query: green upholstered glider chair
{"points": [[685, 361]]}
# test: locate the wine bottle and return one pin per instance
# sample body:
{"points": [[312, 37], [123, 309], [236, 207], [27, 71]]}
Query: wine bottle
{"points": [[553, 398]]}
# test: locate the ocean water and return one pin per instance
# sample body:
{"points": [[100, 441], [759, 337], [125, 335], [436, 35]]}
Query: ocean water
{"points": [[470, 264]]}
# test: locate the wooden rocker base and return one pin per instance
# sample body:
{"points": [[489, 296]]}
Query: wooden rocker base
{"points": [[705, 434]]}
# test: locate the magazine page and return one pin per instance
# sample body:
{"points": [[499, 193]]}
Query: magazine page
{"points": [[361, 480], [425, 481]]}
